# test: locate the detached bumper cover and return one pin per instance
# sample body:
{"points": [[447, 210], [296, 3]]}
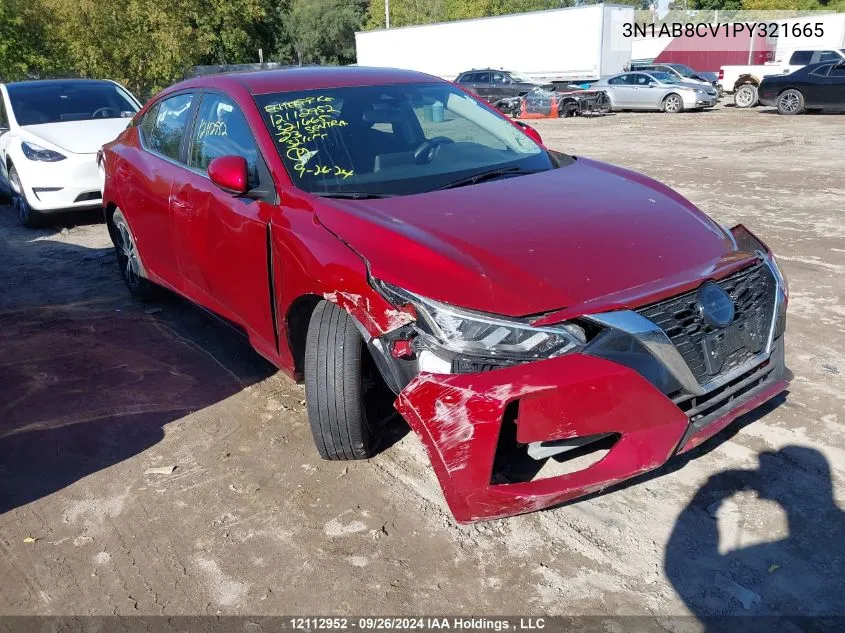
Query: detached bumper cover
{"points": [[459, 418]]}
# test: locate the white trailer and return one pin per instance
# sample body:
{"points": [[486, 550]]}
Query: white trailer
{"points": [[816, 32], [572, 44]]}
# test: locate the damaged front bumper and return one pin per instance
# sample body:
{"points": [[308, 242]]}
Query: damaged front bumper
{"points": [[475, 425], [650, 383]]}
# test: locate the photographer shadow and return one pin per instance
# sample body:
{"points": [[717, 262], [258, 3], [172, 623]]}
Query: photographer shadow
{"points": [[799, 576]]}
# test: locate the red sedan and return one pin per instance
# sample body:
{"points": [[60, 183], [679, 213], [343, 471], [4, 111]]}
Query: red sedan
{"points": [[548, 325]]}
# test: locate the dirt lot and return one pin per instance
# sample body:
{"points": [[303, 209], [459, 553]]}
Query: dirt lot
{"points": [[97, 389]]}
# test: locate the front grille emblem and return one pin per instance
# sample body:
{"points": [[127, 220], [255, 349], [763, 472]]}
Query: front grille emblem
{"points": [[715, 305]]}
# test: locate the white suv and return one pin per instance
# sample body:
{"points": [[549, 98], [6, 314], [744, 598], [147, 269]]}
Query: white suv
{"points": [[50, 133]]}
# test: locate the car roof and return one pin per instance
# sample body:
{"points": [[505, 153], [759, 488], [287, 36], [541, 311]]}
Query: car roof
{"points": [[41, 82], [305, 78], [486, 70]]}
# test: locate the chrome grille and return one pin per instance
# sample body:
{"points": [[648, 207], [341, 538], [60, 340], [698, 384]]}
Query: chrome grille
{"points": [[753, 294]]}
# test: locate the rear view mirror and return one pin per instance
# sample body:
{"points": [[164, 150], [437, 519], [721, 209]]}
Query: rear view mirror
{"points": [[230, 174], [531, 132]]}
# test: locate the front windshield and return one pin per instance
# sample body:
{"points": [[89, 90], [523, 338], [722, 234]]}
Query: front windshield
{"points": [[685, 71], [57, 101], [393, 139], [665, 78]]}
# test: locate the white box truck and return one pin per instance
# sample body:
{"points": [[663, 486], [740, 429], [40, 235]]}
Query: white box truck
{"points": [[563, 45]]}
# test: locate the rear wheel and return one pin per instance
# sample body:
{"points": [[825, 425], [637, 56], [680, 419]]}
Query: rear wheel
{"points": [[128, 259], [673, 103], [745, 96], [790, 102], [346, 398], [26, 215]]}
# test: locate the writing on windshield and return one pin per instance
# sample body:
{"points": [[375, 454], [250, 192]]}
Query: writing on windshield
{"points": [[299, 124]]}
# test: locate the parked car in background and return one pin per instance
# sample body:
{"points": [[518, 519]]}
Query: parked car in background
{"points": [[655, 91], [512, 303], [814, 87], [491, 84], [681, 72], [743, 81], [569, 101], [50, 133]]}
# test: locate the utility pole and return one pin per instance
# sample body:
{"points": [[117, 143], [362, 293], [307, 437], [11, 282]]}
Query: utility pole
{"points": [[387, 14]]}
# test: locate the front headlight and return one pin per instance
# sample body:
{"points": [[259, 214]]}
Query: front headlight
{"points": [[36, 152], [477, 334]]}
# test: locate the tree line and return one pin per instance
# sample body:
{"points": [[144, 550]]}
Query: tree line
{"points": [[148, 44]]}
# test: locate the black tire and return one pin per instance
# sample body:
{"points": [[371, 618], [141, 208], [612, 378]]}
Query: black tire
{"points": [[746, 96], [570, 108], [790, 101], [26, 214], [129, 259], [673, 103], [335, 360]]}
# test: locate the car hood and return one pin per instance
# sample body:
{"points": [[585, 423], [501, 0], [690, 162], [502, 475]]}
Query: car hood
{"points": [[532, 244], [78, 137]]}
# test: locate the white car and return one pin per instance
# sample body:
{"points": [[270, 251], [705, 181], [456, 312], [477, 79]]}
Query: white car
{"points": [[655, 90], [50, 133]]}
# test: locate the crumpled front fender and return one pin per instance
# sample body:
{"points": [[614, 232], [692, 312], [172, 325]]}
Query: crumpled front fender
{"points": [[459, 418]]}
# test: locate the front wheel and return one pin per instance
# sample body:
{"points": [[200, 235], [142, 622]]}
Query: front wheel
{"points": [[790, 102], [673, 104], [128, 259], [343, 390], [745, 96], [26, 215]]}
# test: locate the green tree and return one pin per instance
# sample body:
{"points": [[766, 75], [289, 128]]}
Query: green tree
{"points": [[323, 31], [25, 48], [406, 13]]}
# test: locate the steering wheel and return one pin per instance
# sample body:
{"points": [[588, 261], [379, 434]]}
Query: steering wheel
{"points": [[105, 112], [427, 150]]}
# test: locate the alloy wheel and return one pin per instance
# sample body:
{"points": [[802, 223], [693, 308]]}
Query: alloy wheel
{"points": [[127, 253], [789, 102], [673, 103], [19, 202], [744, 97]]}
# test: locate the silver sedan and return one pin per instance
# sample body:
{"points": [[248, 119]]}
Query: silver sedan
{"points": [[655, 91]]}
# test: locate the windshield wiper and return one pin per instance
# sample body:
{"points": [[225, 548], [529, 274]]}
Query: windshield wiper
{"points": [[354, 195], [485, 175]]}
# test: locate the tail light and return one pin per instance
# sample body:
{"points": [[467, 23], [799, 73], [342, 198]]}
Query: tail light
{"points": [[721, 74]]}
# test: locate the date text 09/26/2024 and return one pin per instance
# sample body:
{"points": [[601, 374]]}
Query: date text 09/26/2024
{"points": [[419, 623]]}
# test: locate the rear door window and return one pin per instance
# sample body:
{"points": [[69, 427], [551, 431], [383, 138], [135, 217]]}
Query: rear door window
{"points": [[482, 78], [163, 127]]}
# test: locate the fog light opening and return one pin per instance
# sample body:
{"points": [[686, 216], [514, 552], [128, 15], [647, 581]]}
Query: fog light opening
{"points": [[522, 463]]}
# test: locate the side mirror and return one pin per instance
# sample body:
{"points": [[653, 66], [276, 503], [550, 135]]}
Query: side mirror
{"points": [[230, 173], [531, 132], [652, 84]]}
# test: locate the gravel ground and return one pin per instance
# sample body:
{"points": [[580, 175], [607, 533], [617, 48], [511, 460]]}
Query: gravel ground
{"points": [[151, 463]]}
